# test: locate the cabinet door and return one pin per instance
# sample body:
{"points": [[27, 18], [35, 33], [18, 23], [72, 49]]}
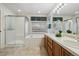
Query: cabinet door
{"points": [[66, 53], [50, 45], [49, 51], [49, 42], [56, 49], [53, 48]]}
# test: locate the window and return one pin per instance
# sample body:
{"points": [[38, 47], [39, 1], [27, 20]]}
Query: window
{"points": [[57, 18], [38, 19]]}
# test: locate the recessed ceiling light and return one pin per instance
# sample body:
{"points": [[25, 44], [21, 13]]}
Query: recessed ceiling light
{"points": [[38, 11], [19, 10], [76, 12]]}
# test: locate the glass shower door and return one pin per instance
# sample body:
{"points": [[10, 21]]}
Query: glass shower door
{"points": [[10, 30], [14, 30]]}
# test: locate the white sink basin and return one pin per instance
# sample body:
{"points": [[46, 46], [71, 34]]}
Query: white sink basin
{"points": [[69, 39], [72, 43]]}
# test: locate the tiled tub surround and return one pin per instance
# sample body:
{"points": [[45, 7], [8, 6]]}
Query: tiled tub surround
{"points": [[70, 44]]}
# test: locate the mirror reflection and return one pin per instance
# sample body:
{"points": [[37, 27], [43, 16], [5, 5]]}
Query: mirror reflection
{"points": [[70, 26]]}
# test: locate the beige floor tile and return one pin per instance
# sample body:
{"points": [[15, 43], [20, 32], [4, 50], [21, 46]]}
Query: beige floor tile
{"points": [[24, 50]]}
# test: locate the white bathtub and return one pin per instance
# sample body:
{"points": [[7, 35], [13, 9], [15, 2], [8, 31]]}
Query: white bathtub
{"points": [[35, 36]]}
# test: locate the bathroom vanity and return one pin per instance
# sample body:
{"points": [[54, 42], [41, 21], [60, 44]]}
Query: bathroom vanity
{"points": [[60, 46]]}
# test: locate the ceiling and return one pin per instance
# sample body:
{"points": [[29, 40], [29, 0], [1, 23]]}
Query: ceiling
{"points": [[44, 8], [31, 8]]}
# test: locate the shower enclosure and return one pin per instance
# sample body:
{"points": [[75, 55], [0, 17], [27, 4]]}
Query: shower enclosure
{"points": [[14, 29]]}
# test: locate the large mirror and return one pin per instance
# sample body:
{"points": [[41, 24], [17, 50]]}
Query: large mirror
{"points": [[70, 15], [70, 26], [57, 24]]}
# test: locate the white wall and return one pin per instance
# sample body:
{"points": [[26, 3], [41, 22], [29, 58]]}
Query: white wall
{"points": [[26, 27], [4, 11]]}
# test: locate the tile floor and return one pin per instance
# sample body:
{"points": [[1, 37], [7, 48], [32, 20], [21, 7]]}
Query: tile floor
{"points": [[24, 50]]}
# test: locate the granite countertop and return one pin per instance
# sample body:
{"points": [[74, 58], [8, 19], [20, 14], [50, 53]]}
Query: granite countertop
{"points": [[68, 43]]}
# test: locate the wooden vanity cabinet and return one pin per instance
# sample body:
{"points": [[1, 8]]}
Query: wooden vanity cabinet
{"points": [[49, 42], [48, 45], [49, 49], [54, 49], [66, 53]]}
